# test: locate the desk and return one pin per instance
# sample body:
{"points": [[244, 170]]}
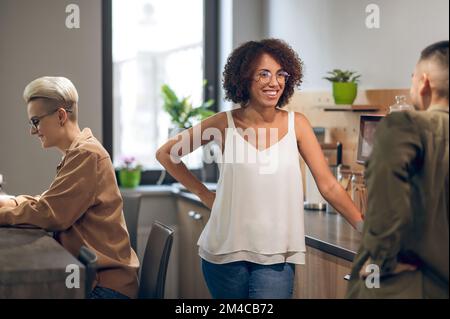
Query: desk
{"points": [[33, 265]]}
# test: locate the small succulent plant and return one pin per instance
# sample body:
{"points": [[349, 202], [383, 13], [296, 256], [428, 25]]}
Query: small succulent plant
{"points": [[342, 76]]}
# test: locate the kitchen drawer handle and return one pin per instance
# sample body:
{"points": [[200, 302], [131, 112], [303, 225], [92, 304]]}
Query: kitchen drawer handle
{"points": [[194, 215], [191, 214]]}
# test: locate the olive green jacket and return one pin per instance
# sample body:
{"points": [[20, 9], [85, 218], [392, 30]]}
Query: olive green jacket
{"points": [[407, 219]]}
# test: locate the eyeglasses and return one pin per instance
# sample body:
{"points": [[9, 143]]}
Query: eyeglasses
{"points": [[265, 77], [35, 120]]}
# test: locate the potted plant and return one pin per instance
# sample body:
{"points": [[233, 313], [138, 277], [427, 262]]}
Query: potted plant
{"points": [[130, 172], [345, 85], [181, 110], [182, 114]]}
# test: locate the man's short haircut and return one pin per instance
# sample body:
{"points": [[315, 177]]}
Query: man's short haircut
{"points": [[438, 53], [58, 91]]}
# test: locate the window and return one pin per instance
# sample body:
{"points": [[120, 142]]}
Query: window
{"points": [[153, 42]]}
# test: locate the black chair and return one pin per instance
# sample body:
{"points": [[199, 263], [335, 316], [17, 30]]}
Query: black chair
{"points": [[156, 260], [89, 260], [131, 206]]}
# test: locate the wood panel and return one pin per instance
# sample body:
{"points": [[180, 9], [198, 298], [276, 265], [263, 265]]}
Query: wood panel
{"points": [[322, 277], [186, 253], [191, 282], [385, 98]]}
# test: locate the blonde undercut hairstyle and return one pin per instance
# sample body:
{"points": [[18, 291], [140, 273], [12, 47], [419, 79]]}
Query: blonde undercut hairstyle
{"points": [[57, 91]]}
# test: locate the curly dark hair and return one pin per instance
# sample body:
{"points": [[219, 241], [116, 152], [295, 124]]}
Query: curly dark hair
{"points": [[238, 72]]}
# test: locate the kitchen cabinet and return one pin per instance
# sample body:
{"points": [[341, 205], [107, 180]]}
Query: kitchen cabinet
{"points": [[322, 277], [192, 218]]}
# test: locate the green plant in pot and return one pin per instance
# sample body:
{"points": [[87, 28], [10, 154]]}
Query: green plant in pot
{"points": [[182, 112], [130, 172], [345, 85]]}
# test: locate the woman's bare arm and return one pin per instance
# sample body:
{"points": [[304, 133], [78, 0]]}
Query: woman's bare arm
{"points": [[170, 154], [327, 184]]}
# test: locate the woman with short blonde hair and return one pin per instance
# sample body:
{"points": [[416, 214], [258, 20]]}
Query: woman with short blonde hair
{"points": [[83, 205], [58, 91]]}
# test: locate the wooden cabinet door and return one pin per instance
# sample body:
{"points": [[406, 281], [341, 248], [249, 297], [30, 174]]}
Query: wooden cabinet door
{"points": [[322, 277], [192, 219], [186, 256], [201, 289]]}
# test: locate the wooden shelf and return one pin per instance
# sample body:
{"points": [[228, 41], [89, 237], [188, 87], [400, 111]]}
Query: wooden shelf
{"points": [[351, 108]]}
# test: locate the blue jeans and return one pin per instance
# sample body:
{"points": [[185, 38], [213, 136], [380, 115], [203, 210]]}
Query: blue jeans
{"points": [[105, 293], [247, 280]]}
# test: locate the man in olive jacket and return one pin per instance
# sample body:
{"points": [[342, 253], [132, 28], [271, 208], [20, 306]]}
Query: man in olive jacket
{"points": [[405, 241]]}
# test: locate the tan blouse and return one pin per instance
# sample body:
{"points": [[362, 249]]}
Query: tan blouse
{"points": [[83, 206]]}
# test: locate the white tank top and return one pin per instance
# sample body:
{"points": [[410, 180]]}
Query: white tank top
{"points": [[257, 215]]}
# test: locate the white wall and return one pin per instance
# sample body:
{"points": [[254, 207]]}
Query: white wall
{"points": [[34, 42], [330, 34], [240, 21], [247, 22]]}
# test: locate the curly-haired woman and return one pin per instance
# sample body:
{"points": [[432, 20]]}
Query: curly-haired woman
{"points": [[255, 234]]}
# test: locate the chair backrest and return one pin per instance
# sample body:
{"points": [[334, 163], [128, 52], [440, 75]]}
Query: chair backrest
{"points": [[156, 260], [131, 206], [89, 259]]}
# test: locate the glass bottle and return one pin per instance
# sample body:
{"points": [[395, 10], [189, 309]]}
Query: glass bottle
{"points": [[359, 191], [400, 105], [344, 177]]}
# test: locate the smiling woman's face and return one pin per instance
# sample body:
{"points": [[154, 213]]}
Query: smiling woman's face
{"points": [[48, 128], [262, 93]]}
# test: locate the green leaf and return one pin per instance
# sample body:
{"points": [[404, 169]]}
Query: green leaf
{"points": [[208, 103], [355, 78], [182, 112], [169, 94], [338, 75], [205, 114], [330, 79]]}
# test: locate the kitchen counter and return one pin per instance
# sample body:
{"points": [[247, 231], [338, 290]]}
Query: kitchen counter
{"points": [[327, 232]]}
